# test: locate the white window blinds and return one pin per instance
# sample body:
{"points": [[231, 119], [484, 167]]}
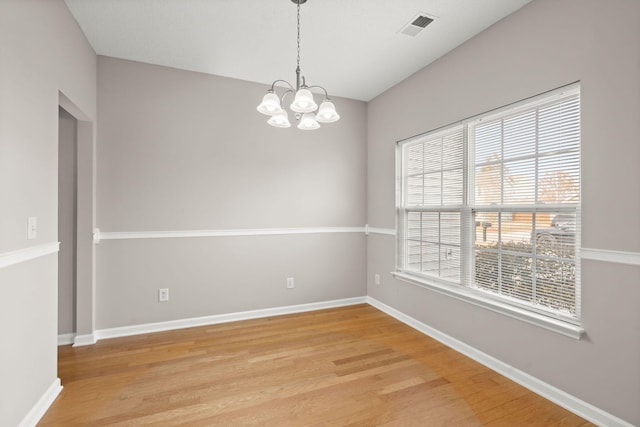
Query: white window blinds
{"points": [[493, 204], [433, 197]]}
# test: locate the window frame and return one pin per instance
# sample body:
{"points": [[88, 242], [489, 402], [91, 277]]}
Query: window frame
{"points": [[464, 288]]}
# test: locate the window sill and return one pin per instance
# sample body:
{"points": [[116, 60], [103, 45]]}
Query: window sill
{"points": [[467, 295]]}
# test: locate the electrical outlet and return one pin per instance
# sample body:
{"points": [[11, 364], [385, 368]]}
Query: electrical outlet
{"points": [[163, 295], [376, 279], [290, 283]]}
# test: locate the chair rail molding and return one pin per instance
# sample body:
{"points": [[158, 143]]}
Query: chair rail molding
{"points": [[26, 254], [618, 257], [120, 235], [379, 230]]}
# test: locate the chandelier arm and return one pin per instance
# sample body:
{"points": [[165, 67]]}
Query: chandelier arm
{"points": [[285, 94], [326, 94], [273, 85]]}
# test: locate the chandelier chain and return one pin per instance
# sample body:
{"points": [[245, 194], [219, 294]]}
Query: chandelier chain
{"points": [[298, 17]]}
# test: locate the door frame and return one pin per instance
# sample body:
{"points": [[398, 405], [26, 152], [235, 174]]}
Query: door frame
{"points": [[86, 220]]}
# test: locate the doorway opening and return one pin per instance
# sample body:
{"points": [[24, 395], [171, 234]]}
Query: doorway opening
{"points": [[76, 172], [67, 224]]}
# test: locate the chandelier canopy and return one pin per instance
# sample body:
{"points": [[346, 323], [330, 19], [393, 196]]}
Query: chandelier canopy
{"points": [[307, 112]]}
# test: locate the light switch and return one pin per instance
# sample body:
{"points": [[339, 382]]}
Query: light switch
{"points": [[32, 228]]}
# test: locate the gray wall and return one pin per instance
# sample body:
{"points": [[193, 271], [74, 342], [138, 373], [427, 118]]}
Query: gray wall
{"points": [[179, 150], [42, 52], [546, 44], [185, 151]]}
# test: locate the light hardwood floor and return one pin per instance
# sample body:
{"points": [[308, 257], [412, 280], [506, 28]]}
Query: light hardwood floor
{"points": [[350, 366]]}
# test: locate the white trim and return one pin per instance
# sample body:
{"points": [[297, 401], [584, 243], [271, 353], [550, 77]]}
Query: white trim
{"points": [[125, 331], [118, 235], [467, 295], [620, 257], [82, 340], [21, 255], [562, 398], [66, 339], [378, 230], [42, 405]]}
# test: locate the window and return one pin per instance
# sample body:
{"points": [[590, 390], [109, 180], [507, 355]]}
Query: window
{"points": [[489, 208]]}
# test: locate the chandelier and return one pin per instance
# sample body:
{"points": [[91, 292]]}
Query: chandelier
{"points": [[307, 112]]}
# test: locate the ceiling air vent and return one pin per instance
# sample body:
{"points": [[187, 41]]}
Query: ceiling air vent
{"points": [[416, 25]]}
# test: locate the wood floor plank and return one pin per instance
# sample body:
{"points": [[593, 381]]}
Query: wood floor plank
{"points": [[349, 366]]}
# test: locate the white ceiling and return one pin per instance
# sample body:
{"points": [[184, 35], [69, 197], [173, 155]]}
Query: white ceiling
{"points": [[351, 47]]}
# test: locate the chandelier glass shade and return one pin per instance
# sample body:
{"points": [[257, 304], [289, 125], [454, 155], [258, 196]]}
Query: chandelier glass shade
{"points": [[280, 120], [270, 104], [307, 112]]}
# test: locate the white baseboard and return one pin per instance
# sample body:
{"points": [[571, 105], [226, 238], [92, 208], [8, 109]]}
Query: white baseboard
{"points": [[43, 404], [66, 339], [567, 401], [559, 397], [81, 340], [219, 318]]}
